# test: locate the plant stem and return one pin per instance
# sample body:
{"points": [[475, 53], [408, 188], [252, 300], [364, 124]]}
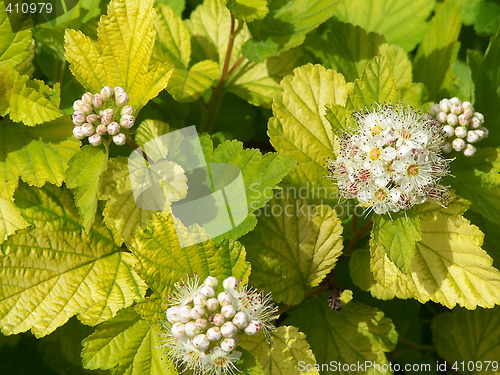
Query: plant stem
{"points": [[419, 347], [357, 234], [138, 149]]}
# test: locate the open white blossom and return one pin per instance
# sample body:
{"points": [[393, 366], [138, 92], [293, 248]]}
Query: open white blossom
{"points": [[392, 161], [202, 326]]}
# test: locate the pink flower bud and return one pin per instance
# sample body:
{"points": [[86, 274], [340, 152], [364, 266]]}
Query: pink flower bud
{"points": [[113, 128], [108, 111], [228, 344], [88, 129], [218, 319], [78, 133], [201, 342], [101, 129], [107, 93], [213, 334], [228, 329], [106, 119], [77, 105], [121, 99], [97, 102], [230, 283], [173, 314], [92, 118], [128, 110], [87, 109], [228, 311], [178, 330], [127, 121], [87, 98], [78, 118], [253, 327], [119, 139], [118, 90], [95, 139], [197, 312]]}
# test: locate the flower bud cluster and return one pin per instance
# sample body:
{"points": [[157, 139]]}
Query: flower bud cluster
{"points": [[203, 326], [461, 125], [103, 113], [392, 161]]}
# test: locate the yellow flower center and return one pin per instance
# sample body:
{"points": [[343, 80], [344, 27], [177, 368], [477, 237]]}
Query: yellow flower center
{"points": [[376, 130], [412, 170], [381, 195], [375, 154]]}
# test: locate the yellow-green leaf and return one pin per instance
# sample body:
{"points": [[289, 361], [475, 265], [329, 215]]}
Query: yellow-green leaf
{"points": [[248, 11], [121, 55], [53, 271], [10, 219], [187, 85], [293, 247]]}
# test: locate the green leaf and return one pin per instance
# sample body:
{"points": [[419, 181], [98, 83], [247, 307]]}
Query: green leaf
{"points": [[249, 363], [340, 118], [376, 85], [53, 271], [284, 355], [126, 344], [439, 49], [10, 219], [401, 22], [293, 247], [398, 236], [84, 174], [37, 155], [299, 128], [478, 180], [469, 336], [357, 334], [449, 266], [121, 55], [248, 10], [261, 174], [188, 85], [28, 101], [484, 15], [163, 262]]}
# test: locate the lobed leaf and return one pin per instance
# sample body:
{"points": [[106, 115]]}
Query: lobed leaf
{"points": [[10, 219], [248, 11]]}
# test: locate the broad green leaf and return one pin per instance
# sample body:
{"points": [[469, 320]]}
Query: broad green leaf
{"points": [[187, 85], [248, 10], [401, 22], [285, 26], [438, 51], [478, 180], [10, 219], [340, 118], [121, 55], [28, 101], [293, 247], [356, 334], [470, 336], [249, 363], [449, 266], [53, 271], [128, 345], [397, 235], [261, 174], [84, 174], [14, 47], [376, 85], [485, 73], [284, 356], [163, 262], [37, 155], [299, 128], [484, 15]]}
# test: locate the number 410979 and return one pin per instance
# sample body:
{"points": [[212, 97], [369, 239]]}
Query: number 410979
{"points": [[29, 8]]}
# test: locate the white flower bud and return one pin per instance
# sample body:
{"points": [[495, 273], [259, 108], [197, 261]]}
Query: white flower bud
{"points": [[435, 110], [78, 133], [184, 314], [101, 129], [95, 139], [200, 299], [88, 129], [475, 123], [456, 109], [119, 139], [211, 281], [448, 130], [191, 329], [441, 117], [201, 342], [228, 344], [92, 118], [178, 330], [78, 118], [240, 320], [482, 133], [108, 111], [455, 101], [173, 314], [113, 128], [118, 90], [446, 148], [121, 99], [479, 116], [107, 93], [98, 101], [472, 136], [228, 311], [452, 119], [208, 291], [458, 144], [468, 112], [230, 283], [445, 106], [469, 151], [225, 299], [87, 98], [463, 120], [77, 105], [253, 327], [460, 131], [218, 320], [127, 121], [228, 329], [106, 119], [87, 109], [201, 324], [128, 110], [213, 334], [197, 312], [467, 105], [213, 304]]}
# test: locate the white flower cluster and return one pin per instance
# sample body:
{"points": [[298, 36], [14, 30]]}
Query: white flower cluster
{"points": [[461, 125], [202, 327], [98, 114], [392, 161]]}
